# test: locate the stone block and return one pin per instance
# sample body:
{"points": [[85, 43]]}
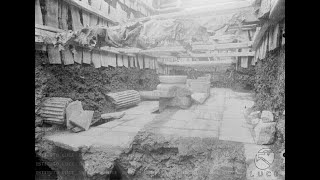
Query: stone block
{"points": [[173, 79], [74, 107], [265, 133], [172, 90], [267, 116], [82, 120]]}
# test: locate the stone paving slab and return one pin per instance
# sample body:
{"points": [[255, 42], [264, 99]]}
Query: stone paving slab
{"points": [[188, 133], [143, 107], [140, 121], [175, 124], [235, 124], [200, 124], [127, 129], [184, 115], [237, 134]]}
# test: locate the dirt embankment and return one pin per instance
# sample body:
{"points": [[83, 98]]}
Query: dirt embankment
{"points": [[87, 84], [155, 156]]}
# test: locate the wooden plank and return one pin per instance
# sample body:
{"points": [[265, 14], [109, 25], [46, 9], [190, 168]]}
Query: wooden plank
{"points": [[86, 18], [48, 28], [51, 17], [119, 60], [78, 54], [156, 64], [104, 7], [64, 15], [194, 47], [140, 61], [112, 61], [86, 56], [86, 7], [104, 59], [53, 54], [125, 61], [67, 57], [93, 20], [276, 36], [260, 34], [146, 62], [38, 14], [135, 64], [76, 23], [95, 58]]}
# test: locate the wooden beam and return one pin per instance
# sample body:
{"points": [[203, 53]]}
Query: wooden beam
{"points": [[192, 63], [197, 47], [48, 28], [223, 46], [260, 34], [276, 15], [230, 54], [92, 10]]}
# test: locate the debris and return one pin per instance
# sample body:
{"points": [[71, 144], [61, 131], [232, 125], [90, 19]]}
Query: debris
{"points": [[82, 120], [267, 116], [115, 115]]}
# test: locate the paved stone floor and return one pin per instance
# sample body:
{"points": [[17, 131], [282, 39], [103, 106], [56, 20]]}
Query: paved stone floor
{"points": [[222, 116], [117, 133]]}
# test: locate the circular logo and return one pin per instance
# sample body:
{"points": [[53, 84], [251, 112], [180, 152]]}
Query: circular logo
{"points": [[264, 158]]}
